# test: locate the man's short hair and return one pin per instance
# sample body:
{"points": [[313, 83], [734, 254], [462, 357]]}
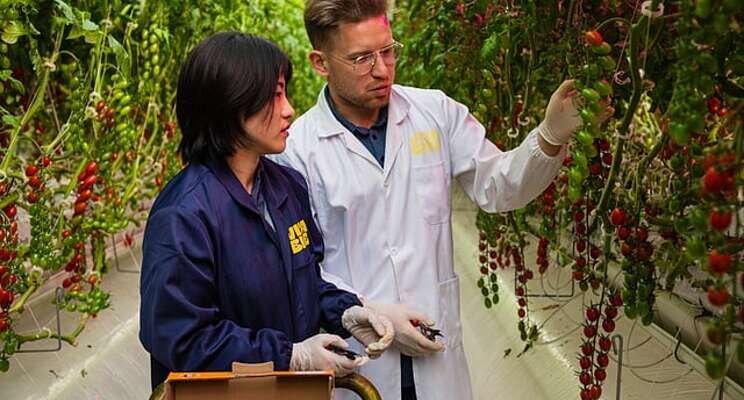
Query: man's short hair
{"points": [[322, 17], [227, 78]]}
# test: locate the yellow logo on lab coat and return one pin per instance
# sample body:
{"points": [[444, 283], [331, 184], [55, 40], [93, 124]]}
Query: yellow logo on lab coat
{"points": [[298, 237], [424, 142]]}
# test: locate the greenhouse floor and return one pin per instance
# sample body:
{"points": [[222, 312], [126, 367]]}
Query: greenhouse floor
{"points": [[109, 362]]}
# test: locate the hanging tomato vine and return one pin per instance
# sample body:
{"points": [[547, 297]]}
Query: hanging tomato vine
{"points": [[88, 134], [664, 173]]}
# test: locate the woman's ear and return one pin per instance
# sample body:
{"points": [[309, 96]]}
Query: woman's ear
{"points": [[317, 60]]}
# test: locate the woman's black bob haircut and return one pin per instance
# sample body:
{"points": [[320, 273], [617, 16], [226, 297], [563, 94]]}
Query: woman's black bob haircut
{"points": [[228, 77]]}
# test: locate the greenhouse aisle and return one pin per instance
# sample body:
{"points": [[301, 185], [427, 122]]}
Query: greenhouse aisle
{"points": [[109, 363]]}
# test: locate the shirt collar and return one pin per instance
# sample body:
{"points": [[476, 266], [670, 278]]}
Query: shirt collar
{"points": [[357, 130]]}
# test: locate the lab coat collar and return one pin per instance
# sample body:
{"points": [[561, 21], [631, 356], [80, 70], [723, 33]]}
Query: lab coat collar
{"points": [[328, 125], [228, 179]]}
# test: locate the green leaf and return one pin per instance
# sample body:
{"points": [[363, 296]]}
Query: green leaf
{"points": [[12, 31], [122, 57], [66, 11], [89, 25], [11, 120], [75, 33]]}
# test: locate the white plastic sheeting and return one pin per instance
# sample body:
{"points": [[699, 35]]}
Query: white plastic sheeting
{"points": [[109, 362]]}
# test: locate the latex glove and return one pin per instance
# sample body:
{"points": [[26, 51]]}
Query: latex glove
{"points": [[312, 355], [408, 339], [374, 331], [561, 116]]}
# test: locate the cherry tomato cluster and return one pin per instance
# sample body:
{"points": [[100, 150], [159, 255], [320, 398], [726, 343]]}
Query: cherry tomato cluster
{"points": [[152, 71], [488, 282], [547, 226], [595, 346]]}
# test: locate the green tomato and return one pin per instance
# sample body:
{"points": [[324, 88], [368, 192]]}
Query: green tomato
{"points": [[607, 63], [584, 138], [630, 312], [590, 95], [702, 8], [699, 218], [603, 88], [714, 365], [679, 133], [674, 205], [587, 116], [495, 299], [676, 163], [487, 302], [575, 193], [681, 225], [695, 247], [603, 49], [4, 364], [579, 158]]}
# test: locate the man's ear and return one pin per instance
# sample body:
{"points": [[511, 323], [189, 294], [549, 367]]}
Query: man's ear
{"points": [[317, 60]]}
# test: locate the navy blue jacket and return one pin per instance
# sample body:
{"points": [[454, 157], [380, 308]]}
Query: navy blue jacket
{"points": [[219, 285]]}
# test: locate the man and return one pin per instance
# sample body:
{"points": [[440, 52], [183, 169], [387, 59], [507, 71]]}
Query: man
{"points": [[379, 160]]}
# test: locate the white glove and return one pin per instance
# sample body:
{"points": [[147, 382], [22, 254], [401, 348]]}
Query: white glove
{"points": [[374, 331], [561, 116], [408, 339], [312, 355]]}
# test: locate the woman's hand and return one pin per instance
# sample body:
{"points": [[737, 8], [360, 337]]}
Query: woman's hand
{"points": [[312, 354]]}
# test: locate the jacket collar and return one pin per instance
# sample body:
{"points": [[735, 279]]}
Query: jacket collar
{"points": [[228, 179], [328, 125]]}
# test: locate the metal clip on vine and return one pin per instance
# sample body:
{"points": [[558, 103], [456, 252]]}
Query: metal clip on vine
{"points": [[617, 348], [58, 298], [646, 9], [116, 259]]}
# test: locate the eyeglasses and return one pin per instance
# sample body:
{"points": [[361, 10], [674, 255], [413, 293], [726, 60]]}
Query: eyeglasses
{"points": [[363, 64]]}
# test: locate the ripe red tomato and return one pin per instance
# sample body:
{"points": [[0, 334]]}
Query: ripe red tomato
{"points": [[608, 325], [594, 38], [10, 210], [31, 170], [592, 314], [80, 208], [6, 298], [713, 180], [91, 168], [718, 297], [618, 217], [720, 220], [719, 263]]}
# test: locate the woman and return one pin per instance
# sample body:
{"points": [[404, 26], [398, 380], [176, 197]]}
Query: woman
{"points": [[230, 265]]}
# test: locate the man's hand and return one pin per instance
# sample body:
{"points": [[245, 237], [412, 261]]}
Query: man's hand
{"points": [[562, 119], [375, 331]]}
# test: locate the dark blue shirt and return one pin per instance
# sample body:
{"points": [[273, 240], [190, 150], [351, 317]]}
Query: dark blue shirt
{"points": [[219, 285], [372, 138]]}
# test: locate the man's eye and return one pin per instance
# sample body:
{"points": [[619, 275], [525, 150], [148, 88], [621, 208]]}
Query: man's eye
{"points": [[364, 59]]}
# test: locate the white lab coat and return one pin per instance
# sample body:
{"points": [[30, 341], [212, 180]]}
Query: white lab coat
{"points": [[387, 231]]}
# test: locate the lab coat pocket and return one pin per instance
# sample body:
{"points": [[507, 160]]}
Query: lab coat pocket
{"points": [[430, 182], [449, 312]]}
